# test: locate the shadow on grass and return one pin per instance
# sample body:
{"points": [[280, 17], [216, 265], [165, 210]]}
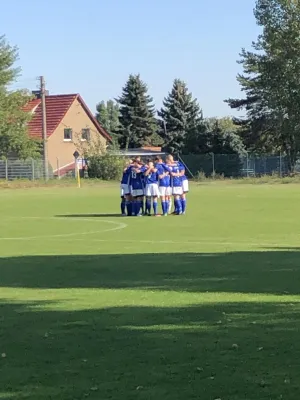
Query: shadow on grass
{"points": [[226, 347], [88, 215], [227, 351], [275, 272]]}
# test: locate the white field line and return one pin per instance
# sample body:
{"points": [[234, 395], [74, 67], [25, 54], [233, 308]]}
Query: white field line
{"points": [[118, 226], [207, 242]]}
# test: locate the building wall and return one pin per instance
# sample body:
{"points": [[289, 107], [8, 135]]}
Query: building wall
{"points": [[60, 151]]}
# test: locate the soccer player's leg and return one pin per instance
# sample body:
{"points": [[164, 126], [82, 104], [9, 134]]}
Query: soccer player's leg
{"points": [[128, 200], [138, 201], [169, 199], [185, 189], [123, 206], [148, 200], [177, 193], [155, 195], [139, 206], [123, 199], [144, 205], [164, 204]]}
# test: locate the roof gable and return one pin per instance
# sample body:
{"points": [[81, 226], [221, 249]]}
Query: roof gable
{"points": [[57, 107]]}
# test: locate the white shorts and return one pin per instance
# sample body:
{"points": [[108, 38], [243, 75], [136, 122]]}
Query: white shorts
{"points": [[137, 192], [165, 191], [124, 189], [177, 190], [152, 190], [185, 186]]}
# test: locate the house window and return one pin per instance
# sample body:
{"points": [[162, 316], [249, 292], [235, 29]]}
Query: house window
{"points": [[68, 134], [85, 134]]}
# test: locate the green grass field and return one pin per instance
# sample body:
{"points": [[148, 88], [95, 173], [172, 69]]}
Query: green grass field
{"points": [[203, 306]]}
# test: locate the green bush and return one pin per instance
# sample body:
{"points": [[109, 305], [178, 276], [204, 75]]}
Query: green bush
{"points": [[106, 167]]}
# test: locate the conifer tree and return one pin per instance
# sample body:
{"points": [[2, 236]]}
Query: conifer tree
{"points": [[137, 123]]}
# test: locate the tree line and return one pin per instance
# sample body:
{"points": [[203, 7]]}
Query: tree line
{"points": [[178, 126], [270, 82]]}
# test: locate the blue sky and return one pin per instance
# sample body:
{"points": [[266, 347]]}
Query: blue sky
{"points": [[90, 47]]}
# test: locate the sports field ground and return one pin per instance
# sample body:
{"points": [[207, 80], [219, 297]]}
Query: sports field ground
{"points": [[202, 306]]}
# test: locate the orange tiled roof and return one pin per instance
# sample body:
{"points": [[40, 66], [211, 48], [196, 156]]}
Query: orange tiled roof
{"points": [[56, 108]]}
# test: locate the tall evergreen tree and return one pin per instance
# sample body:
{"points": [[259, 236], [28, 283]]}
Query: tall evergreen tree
{"points": [[137, 123], [13, 119], [102, 115], [181, 115], [108, 115], [271, 80]]}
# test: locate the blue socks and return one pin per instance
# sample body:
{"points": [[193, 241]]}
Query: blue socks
{"points": [[183, 205], [178, 208], [155, 207], [123, 206], [165, 207], [143, 206], [129, 207], [148, 205]]}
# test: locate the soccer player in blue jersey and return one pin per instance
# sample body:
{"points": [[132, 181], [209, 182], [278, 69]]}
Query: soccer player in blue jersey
{"points": [[176, 183], [137, 186], [151, 191], [163, 184], [185, 187], [126, 202]]}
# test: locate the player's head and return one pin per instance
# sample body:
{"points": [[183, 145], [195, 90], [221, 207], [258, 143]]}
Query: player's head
{"points": [[138, 160], [158, 159], [169, 159], [128, 162], [150, 164]]}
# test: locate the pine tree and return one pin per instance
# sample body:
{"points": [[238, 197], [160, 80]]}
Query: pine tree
{"points": [[108, 115], [271, 80], [102, 115], [181, 115], [137, 124], [13, 120]]}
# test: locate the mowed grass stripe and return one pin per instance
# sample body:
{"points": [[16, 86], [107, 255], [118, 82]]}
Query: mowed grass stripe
{"points": [[201, 306]]}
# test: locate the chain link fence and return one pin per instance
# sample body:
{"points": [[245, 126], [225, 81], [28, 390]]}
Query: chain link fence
{"points": [[13, 168], [210, 165], [235, 166]]}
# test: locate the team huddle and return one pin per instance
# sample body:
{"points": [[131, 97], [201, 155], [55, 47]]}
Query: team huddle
{"points": [[154, 180]]}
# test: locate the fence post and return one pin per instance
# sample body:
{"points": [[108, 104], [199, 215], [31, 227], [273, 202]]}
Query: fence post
{"points": [[57, 166], [32, 169], [6, 169], [247, 165], [280, 165], [213, 164]]}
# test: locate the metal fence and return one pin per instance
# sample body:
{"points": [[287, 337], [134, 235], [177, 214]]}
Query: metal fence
{"points": [[233, 165], [229, 165], [13, 168]]}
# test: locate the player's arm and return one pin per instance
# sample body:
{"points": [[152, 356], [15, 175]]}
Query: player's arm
{"points": [[148, 171], [160, 172], [182, 171], [175, 174]]}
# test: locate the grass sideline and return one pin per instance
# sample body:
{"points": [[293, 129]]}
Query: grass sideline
{"points": [[205, 305], [71, 182]]}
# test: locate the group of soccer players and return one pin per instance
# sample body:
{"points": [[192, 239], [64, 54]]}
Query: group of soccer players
{"points": [[143, 184]]}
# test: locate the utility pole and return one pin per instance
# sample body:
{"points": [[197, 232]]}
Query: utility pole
{"points": [[44, 127]]}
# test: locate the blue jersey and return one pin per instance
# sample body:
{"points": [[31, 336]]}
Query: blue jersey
{"points": [[151, 178], [162, 169], [125, 176], [136, 179], [182, 167], [176, 181]]}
